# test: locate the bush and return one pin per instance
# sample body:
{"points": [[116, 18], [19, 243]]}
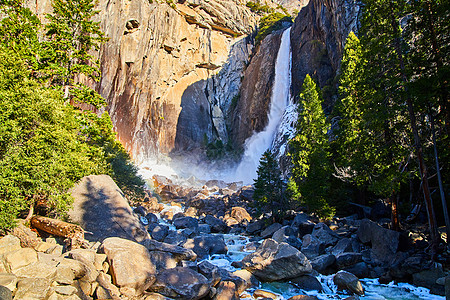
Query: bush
{"points": [[270, 23]]}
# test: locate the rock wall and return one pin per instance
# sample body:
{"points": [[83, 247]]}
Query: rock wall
{"points": [[250, 112], [162, 62], [318, 37]]}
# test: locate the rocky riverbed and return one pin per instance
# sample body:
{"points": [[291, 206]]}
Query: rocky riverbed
{"points": [[198, 239]]}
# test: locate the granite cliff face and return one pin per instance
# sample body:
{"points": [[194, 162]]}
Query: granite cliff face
{"points": [[318, 38]]}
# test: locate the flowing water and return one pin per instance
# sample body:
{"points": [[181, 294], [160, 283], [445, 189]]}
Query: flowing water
{"points": [[261, 141]]}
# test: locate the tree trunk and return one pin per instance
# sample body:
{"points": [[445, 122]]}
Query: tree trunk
{"points": [[73, 232], [417, 143], [394, 216]]}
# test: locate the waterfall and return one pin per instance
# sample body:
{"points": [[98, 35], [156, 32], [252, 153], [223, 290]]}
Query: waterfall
{"points": [[261, 141]]}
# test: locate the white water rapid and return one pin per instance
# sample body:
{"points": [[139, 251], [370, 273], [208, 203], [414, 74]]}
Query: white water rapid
{"points": [[261, 141]]}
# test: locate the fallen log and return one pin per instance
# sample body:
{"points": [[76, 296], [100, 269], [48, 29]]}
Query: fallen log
{"points": [[74, 233]]}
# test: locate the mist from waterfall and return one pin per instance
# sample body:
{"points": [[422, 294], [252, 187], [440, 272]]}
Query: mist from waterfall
{"points": [[259, 142]]}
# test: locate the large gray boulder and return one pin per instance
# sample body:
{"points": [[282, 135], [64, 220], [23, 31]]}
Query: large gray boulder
{"points": [[276, 261], [324, 234], [347, 281], [101, 208], [204, 245], [130, 263], [384, 242], [181, 283]]}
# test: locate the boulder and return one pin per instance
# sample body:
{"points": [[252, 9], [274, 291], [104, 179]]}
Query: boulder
{"points": [[130, 263], [185, 222], [9, 281], [286, 234], [360, 270], [270, 230], [151, 218], [158, 232], [343, 245], [428, 277], [101, 208], [246, 193], [323, 262], [181, 283], [347, 281], [9, 243], [240, 214], [216, 275], [303, 297], [384, 242], [27, 237], [254, 227], [259, 293], [226, 290], [312, 246], [32, 288], [217, 225], [179, 253], [204, 245], [303, 224], [37, 270], [273, 261], [307, 283], [5, 293], [175, 238], [204, 228], [248, 277], [324, 234], [20, 258], [163, 260], [347, 259]]}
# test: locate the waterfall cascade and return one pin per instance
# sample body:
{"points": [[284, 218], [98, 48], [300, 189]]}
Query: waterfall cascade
{"points": [[261, 141]]}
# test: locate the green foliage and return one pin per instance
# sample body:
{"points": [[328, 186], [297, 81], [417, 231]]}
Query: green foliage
{"points": [[310, 153], [41, 152], [270, 23], [258, 8], [46, 144], [270, 188], [72, 35]]}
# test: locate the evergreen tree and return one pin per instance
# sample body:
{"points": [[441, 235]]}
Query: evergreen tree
{"points": [[269, 187], [73, 35], [309, 149]]}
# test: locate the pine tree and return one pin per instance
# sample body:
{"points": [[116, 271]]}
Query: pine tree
{"points": [[73, 35], [309, 149], [269, 187]]}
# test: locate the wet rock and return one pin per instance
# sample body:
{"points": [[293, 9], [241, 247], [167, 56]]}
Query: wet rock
{"points": [[324, 234], [248, 277], [270, 230], [246, 193], [101, 208], [216, 274], [217, 225], [151, 218], [226, 290], [158, 231], [323, 262], [204, 228], [307, 283], [347, 281], [240, 214], [204, 245], [384, 242], [347, 259], [312, 246], [185, 222], [5, 293], [273, 261], [140, 210], [264, 294], [131, 263], [181, 283]]}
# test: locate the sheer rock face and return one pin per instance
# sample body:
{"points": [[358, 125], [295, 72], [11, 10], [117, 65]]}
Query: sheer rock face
{"points": [[169, 71], [318, 37]]}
